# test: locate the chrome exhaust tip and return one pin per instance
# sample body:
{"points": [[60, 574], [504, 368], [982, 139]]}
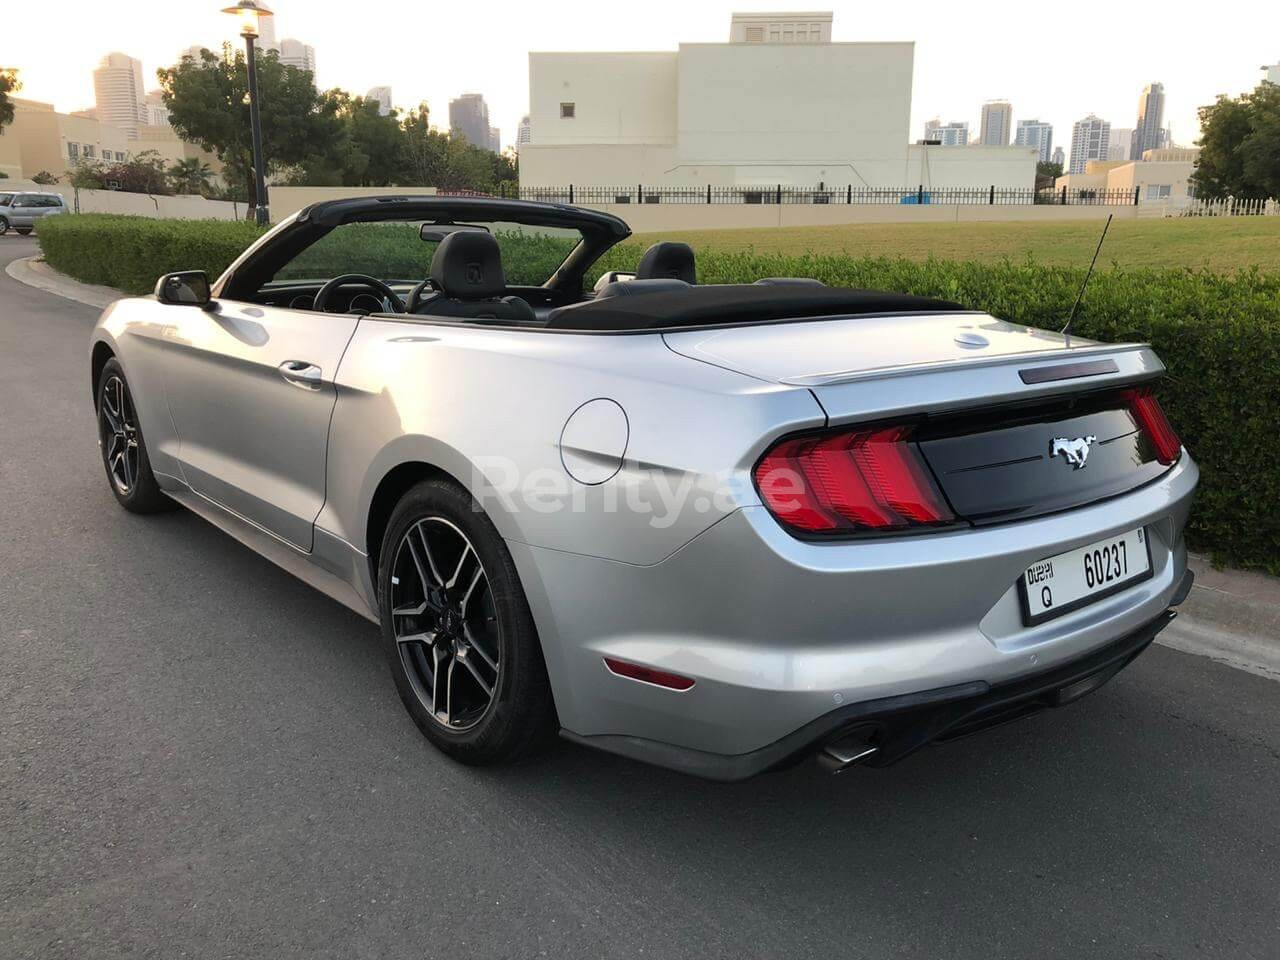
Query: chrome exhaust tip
{"points": [[839, 755]]}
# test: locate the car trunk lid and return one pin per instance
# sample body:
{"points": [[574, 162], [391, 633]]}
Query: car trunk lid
{"points": [[1001, 412]]}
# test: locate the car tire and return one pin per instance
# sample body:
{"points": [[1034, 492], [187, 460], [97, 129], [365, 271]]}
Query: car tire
{"points": [[4, 226], [457, 630], [124, 452], [23, 231]]}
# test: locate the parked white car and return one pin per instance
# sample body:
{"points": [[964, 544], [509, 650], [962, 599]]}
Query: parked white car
{"points": [[21, 210]]}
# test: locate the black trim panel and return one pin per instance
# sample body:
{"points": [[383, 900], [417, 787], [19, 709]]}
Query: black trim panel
{"points": [[1068, 371]]}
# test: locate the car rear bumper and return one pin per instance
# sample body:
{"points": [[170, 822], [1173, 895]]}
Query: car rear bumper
{"points": [[780, 634], [884, 731]]}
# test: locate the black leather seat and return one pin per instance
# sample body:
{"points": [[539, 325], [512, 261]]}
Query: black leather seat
{"points": [[468, 281], [668, 260]]}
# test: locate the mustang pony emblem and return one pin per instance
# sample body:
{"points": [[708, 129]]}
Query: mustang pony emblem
{"points": [[1076, 451]]}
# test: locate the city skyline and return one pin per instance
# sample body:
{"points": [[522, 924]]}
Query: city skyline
{"points": [[947, 84]]}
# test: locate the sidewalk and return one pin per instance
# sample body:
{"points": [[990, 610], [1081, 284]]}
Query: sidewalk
{"points": [[34, 272], [1231, 616]]}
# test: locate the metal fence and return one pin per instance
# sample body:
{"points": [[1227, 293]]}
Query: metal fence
{"points": [[1232, 207], [822, 194]]}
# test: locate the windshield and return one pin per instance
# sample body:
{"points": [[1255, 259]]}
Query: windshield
{"points": [[397, 251]]}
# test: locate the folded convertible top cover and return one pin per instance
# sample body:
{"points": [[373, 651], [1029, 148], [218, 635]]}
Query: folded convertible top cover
{"points": [[735, 303]]}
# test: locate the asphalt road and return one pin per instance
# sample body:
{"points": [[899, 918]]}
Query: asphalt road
{"points": [[200, 756]]}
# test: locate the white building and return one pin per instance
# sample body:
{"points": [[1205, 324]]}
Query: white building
{"points": [[780, 27], [1038, 134], [383, 96], [1121, 143], [1060, 157], [117, 87], [295, 53], [997, 123], [1090, 140], [157, 112], [750, 113], [1149, 133], [955, 134], [1272, 73], [522, 132], [495, 139]]}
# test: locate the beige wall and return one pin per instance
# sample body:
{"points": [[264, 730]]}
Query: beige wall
{"points": [[658, 217], [288, 200], [10, 154]]}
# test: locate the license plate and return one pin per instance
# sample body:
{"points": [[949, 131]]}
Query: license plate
{"points": [[1069, 581]]}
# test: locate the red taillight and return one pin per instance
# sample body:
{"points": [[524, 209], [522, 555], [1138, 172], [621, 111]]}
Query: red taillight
{"points": [[633, 671], [1150, 416], [854, 480]]}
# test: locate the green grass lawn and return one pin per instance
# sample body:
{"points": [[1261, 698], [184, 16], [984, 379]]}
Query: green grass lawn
{"points": [[1220, 244]]}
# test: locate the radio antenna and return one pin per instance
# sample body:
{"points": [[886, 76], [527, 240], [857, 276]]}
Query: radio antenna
{"points": [[1071, 317]]}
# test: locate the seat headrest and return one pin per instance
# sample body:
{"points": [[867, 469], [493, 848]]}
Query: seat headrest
{"points": [[668, 260], [468, 266], [631, 288]]}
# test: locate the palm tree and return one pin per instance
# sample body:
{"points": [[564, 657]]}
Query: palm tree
{"points": [[191, 175]]}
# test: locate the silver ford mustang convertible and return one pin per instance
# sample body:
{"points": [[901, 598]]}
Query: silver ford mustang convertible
{"points": [[713, 527]]}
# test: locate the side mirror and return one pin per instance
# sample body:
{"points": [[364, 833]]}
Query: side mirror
{"points": [[189, 288]]}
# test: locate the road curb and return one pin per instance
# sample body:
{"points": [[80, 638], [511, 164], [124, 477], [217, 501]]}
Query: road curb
{"points": [[34, 272]]}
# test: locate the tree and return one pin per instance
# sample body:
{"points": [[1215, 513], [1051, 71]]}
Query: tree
{"points": [[141, 173], [1240, 146], [83, 176], [9, 83], [208, 104], [378, 139], [190, 175]]}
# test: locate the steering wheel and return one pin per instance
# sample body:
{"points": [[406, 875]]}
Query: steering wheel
{"points": [[324, 294]]}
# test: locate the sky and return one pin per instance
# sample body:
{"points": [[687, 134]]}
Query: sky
{"points": [[1055, 63]]}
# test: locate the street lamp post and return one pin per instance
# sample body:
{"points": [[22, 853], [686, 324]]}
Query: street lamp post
{"points": [[250, 12]]}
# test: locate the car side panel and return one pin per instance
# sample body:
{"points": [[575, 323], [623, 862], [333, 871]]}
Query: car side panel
{"points": [[135, 330], [489, 406]]}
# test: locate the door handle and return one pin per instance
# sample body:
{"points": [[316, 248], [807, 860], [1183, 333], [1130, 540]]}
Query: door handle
{"points": [[302, 374]]}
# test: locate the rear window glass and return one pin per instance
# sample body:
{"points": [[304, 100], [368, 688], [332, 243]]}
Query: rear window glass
{"points": [[396, 251]]}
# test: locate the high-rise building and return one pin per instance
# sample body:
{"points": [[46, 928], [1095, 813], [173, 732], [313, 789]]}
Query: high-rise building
{"points": [[1271, 72], [295, 53], [523, 132], [955, 134], [1038, 134], [780, 28], [1121, 143], [157, 112], [1060, 158], [1148, 133], [383, 96], [117, 87], [1090, 139], [469, 117], [267, 33], [997, 123], [495, 139]]}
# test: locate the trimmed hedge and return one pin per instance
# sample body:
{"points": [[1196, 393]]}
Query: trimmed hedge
{"points": [[1218, 334]]}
